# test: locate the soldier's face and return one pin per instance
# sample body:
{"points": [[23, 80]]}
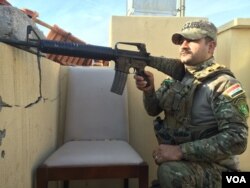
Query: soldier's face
{"points": [[193, 52]]}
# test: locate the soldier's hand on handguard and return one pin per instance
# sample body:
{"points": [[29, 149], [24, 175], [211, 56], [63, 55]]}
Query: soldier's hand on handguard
{"points": [[142, 84]]}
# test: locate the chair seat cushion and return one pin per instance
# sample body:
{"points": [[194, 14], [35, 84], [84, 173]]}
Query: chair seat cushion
{"points": [[94, 153]]}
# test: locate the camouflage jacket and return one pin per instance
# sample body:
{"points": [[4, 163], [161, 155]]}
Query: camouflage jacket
{"points": [[212, 105]]}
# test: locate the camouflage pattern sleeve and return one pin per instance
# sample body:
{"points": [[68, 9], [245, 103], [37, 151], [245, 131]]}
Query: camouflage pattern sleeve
{"points": [[172, 67], [151, 103], [231, 111], [165, 65], [152, 100]]}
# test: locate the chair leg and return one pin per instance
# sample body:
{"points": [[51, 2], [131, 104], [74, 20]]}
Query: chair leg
{"points": [[125, 183], [143, 178], [66, 184], [41, 177], [143, 183], [41, 184]]}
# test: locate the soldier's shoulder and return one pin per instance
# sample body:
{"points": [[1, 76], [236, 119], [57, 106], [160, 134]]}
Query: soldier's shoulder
{"points": [[231, 96], [222, 81]]}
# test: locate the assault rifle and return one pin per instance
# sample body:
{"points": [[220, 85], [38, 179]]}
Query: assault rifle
{"points": [[124, 59]]}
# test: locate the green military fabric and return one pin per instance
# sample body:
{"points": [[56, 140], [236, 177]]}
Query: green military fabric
{"points": [[186, 174], [218, 117], [228, 105]]}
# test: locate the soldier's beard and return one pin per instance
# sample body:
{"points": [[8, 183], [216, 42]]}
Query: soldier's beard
{"points": [[186, 57]]}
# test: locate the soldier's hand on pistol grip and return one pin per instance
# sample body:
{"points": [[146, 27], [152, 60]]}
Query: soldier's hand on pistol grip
{"points": [[145, 85]]}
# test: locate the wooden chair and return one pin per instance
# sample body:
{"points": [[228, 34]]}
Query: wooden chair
{"points": [[96, 134]]}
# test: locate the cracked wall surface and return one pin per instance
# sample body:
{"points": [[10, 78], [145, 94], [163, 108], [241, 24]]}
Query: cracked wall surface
{"points": [[29, 115]]}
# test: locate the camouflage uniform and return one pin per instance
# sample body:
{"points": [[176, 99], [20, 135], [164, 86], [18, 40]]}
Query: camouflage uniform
{"points": [[206, 114]]}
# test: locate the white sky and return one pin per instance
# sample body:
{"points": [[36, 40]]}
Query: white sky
{"points": [[89, 19]]}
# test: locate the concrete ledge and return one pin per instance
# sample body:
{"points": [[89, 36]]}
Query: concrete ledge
{"points": [[237, 23]]}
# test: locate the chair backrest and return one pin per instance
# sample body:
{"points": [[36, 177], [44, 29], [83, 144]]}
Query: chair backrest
{"points": [[93, 112]]}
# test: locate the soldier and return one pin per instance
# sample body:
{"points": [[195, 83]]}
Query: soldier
{"points": [[205, 123]]}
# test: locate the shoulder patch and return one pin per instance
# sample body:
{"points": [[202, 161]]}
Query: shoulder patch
{"points": [[233, 91], [241, 106]]}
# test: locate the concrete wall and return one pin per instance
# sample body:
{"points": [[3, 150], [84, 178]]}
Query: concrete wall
{"points": [[31, 118], [234, 51]]}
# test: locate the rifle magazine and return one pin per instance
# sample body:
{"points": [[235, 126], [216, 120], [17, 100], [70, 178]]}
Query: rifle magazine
{"points": [[119, 82]]}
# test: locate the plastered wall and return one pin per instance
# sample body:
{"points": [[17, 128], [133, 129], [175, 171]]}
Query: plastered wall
{"points": [[29, 114]]}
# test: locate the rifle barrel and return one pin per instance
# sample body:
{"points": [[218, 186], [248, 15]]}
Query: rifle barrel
{"points": [[77, 50], [19, 42]]}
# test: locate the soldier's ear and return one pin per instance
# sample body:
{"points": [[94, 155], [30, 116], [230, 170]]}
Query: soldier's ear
{"points": [[212, 46]]}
